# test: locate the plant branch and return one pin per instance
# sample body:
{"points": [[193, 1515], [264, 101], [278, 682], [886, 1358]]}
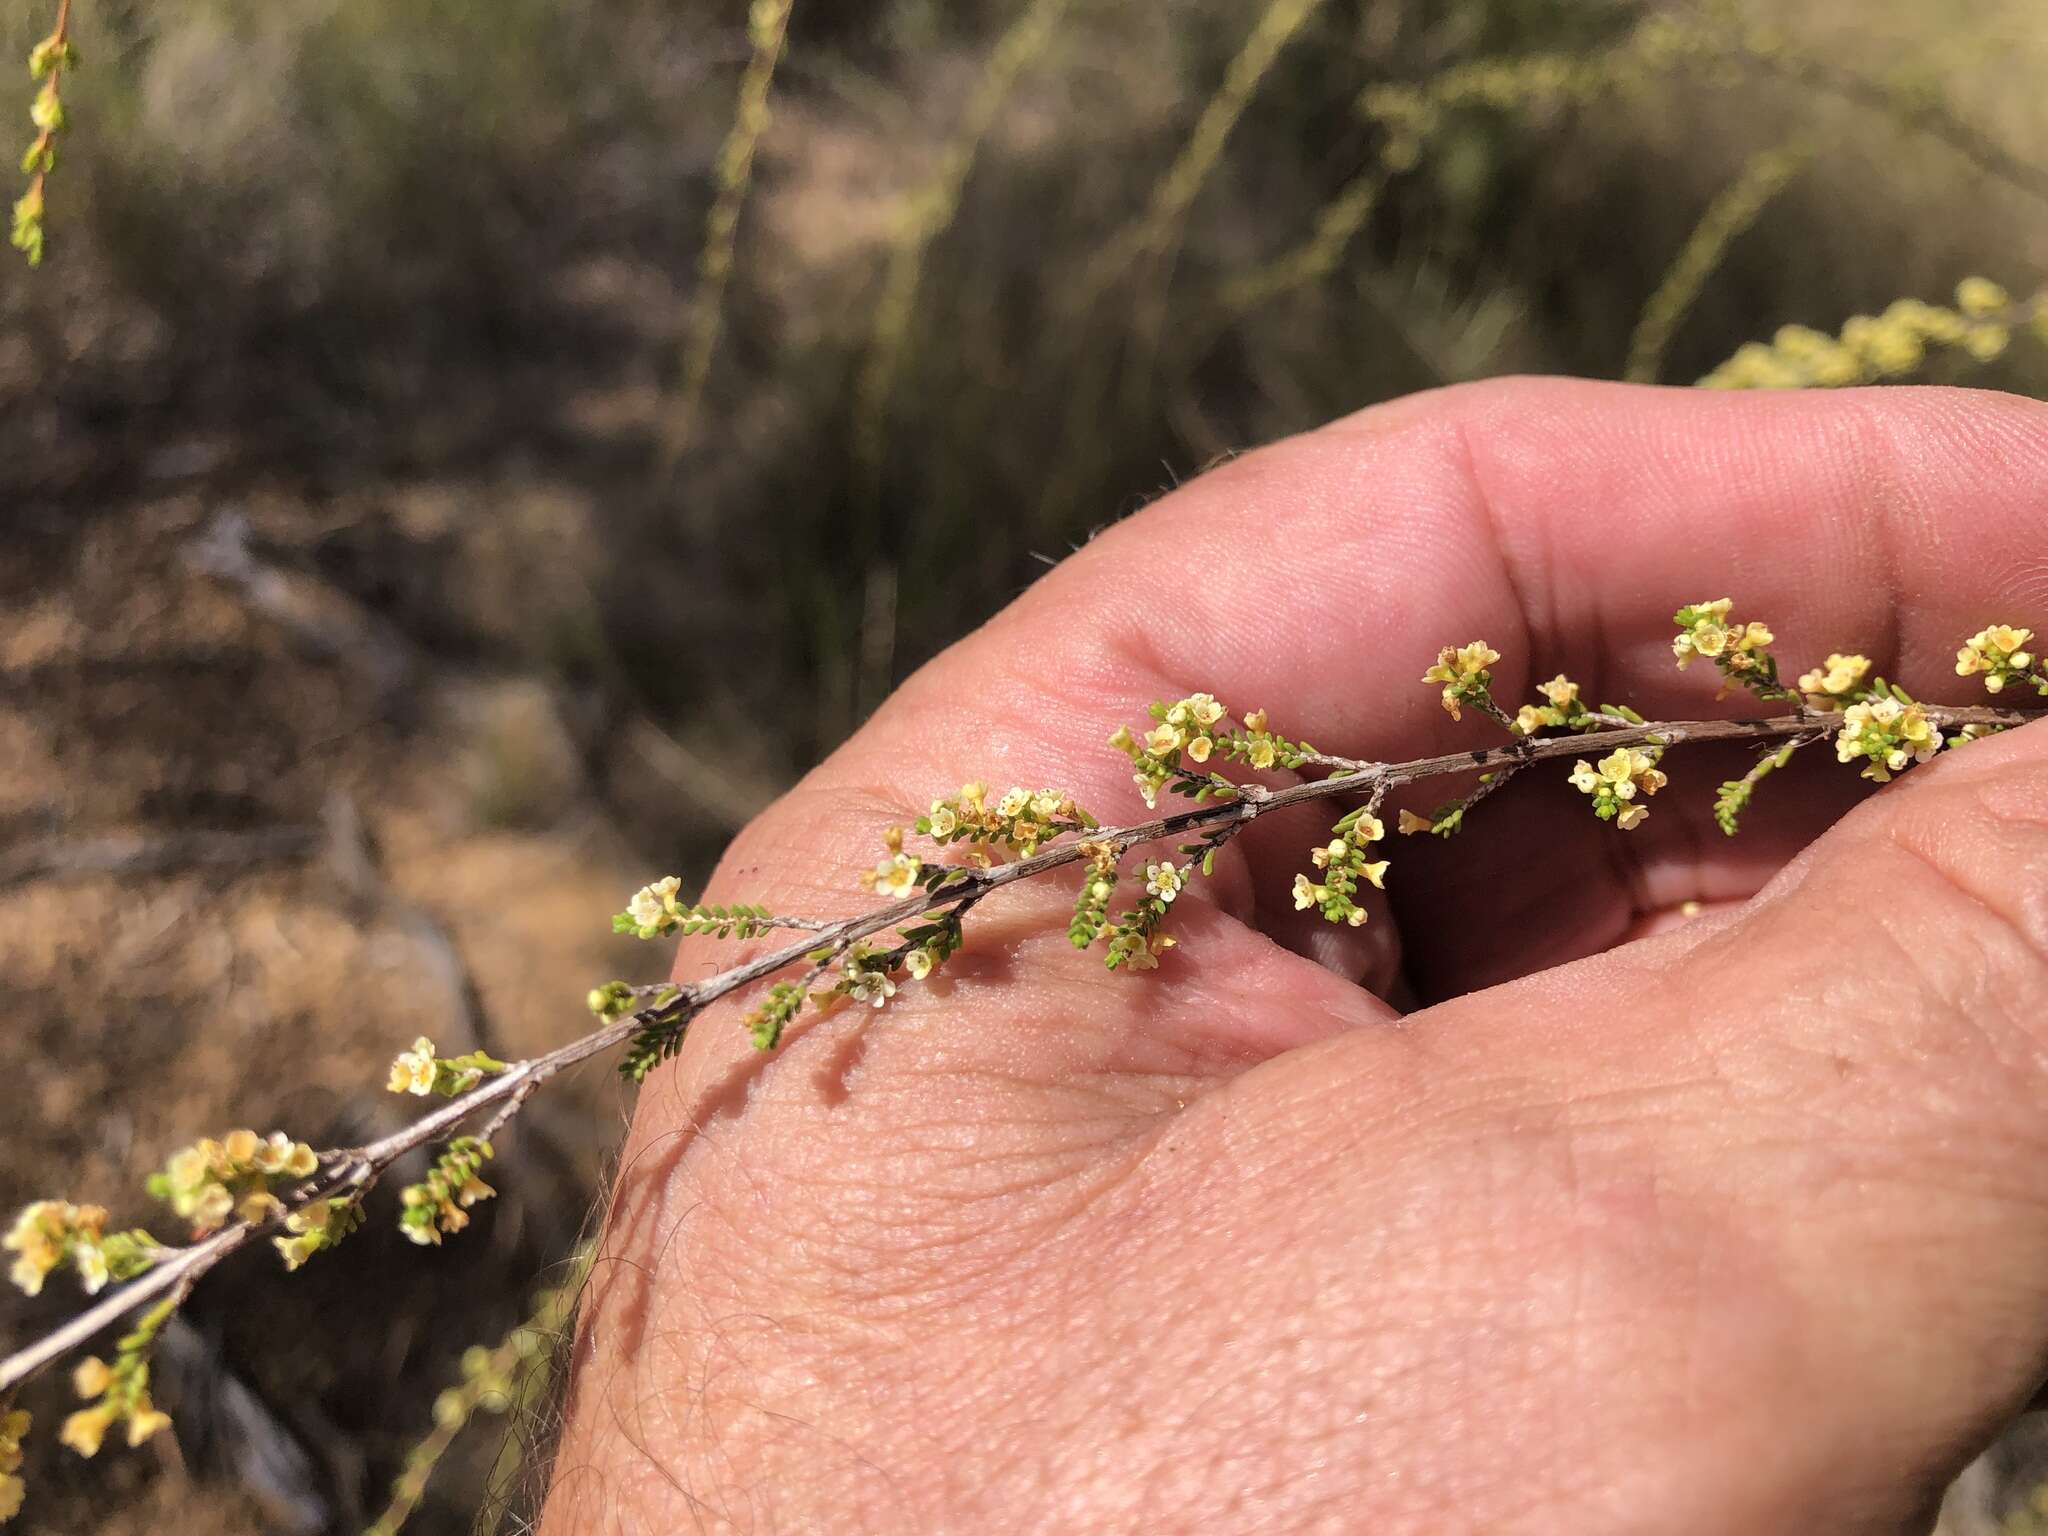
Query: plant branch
{"points": [[348, 1172]]}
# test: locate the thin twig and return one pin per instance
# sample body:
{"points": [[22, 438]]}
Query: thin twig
{"points": [[348, 1172]]}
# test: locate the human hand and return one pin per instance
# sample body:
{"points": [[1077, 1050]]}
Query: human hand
{"points": [[1736, 1224]]}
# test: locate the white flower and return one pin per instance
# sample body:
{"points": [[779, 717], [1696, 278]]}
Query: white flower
{"points": [[1204, 708], [1164, 881], [943, 820], [919, 963], [1307, 893], [1013, 804], [1162, 739], [1046, 804], [1631, 817], [653, 904], [91, 1260], [895, 875], [1199, 748], [413, 1071], [872, 987]]}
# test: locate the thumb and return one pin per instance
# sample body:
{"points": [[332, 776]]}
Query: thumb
{"points": [[1847, 1078]]}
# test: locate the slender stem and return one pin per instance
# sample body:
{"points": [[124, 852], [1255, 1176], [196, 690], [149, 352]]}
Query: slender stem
{"points": [[350, 1171]]}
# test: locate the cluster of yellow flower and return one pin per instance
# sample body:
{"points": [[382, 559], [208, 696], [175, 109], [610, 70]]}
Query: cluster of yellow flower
{"points": [[440, 1202], [1188, 734], [1999, 653], [420, 1071], [1738, 649], [1345, 863], [316, 1226], [1832, 686], [1017, 821], [1464, 672], [1561, 706], [1256, 746], [14, 1424], [1183, 732], [1886, 733], [118, 1393], [49, 1232], [1874, 347], [1619, 783], [210, 1180]]}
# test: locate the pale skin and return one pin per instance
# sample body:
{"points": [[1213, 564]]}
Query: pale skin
{"points": [[1618, 1221]]}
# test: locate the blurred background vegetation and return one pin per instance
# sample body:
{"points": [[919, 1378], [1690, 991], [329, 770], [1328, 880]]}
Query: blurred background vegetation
{"points": [[392, 575]]}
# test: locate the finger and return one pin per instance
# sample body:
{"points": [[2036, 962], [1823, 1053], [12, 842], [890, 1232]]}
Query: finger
{"points": [[1843, 1082]]}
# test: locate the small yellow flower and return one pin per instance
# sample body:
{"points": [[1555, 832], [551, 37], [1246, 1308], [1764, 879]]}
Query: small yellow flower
{"points": [[1978, 297], [1255, 722], [12, 1491], [894, 876], [1162, 739], [91, 1377], [1842, 675], [84, 1430], [1145, 957], [1307, 893], [1376, 873], [1013, 804], [411, 1072], [1411, 823], [144, 1422], [1204, 709], [1199, 748], [1632, 816], [38, 1238], [972, 796], [1322, 857], [1561, 691], [1048, 804], [943, 820], [1585, 777], [918, 963], [1122, 739]]}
